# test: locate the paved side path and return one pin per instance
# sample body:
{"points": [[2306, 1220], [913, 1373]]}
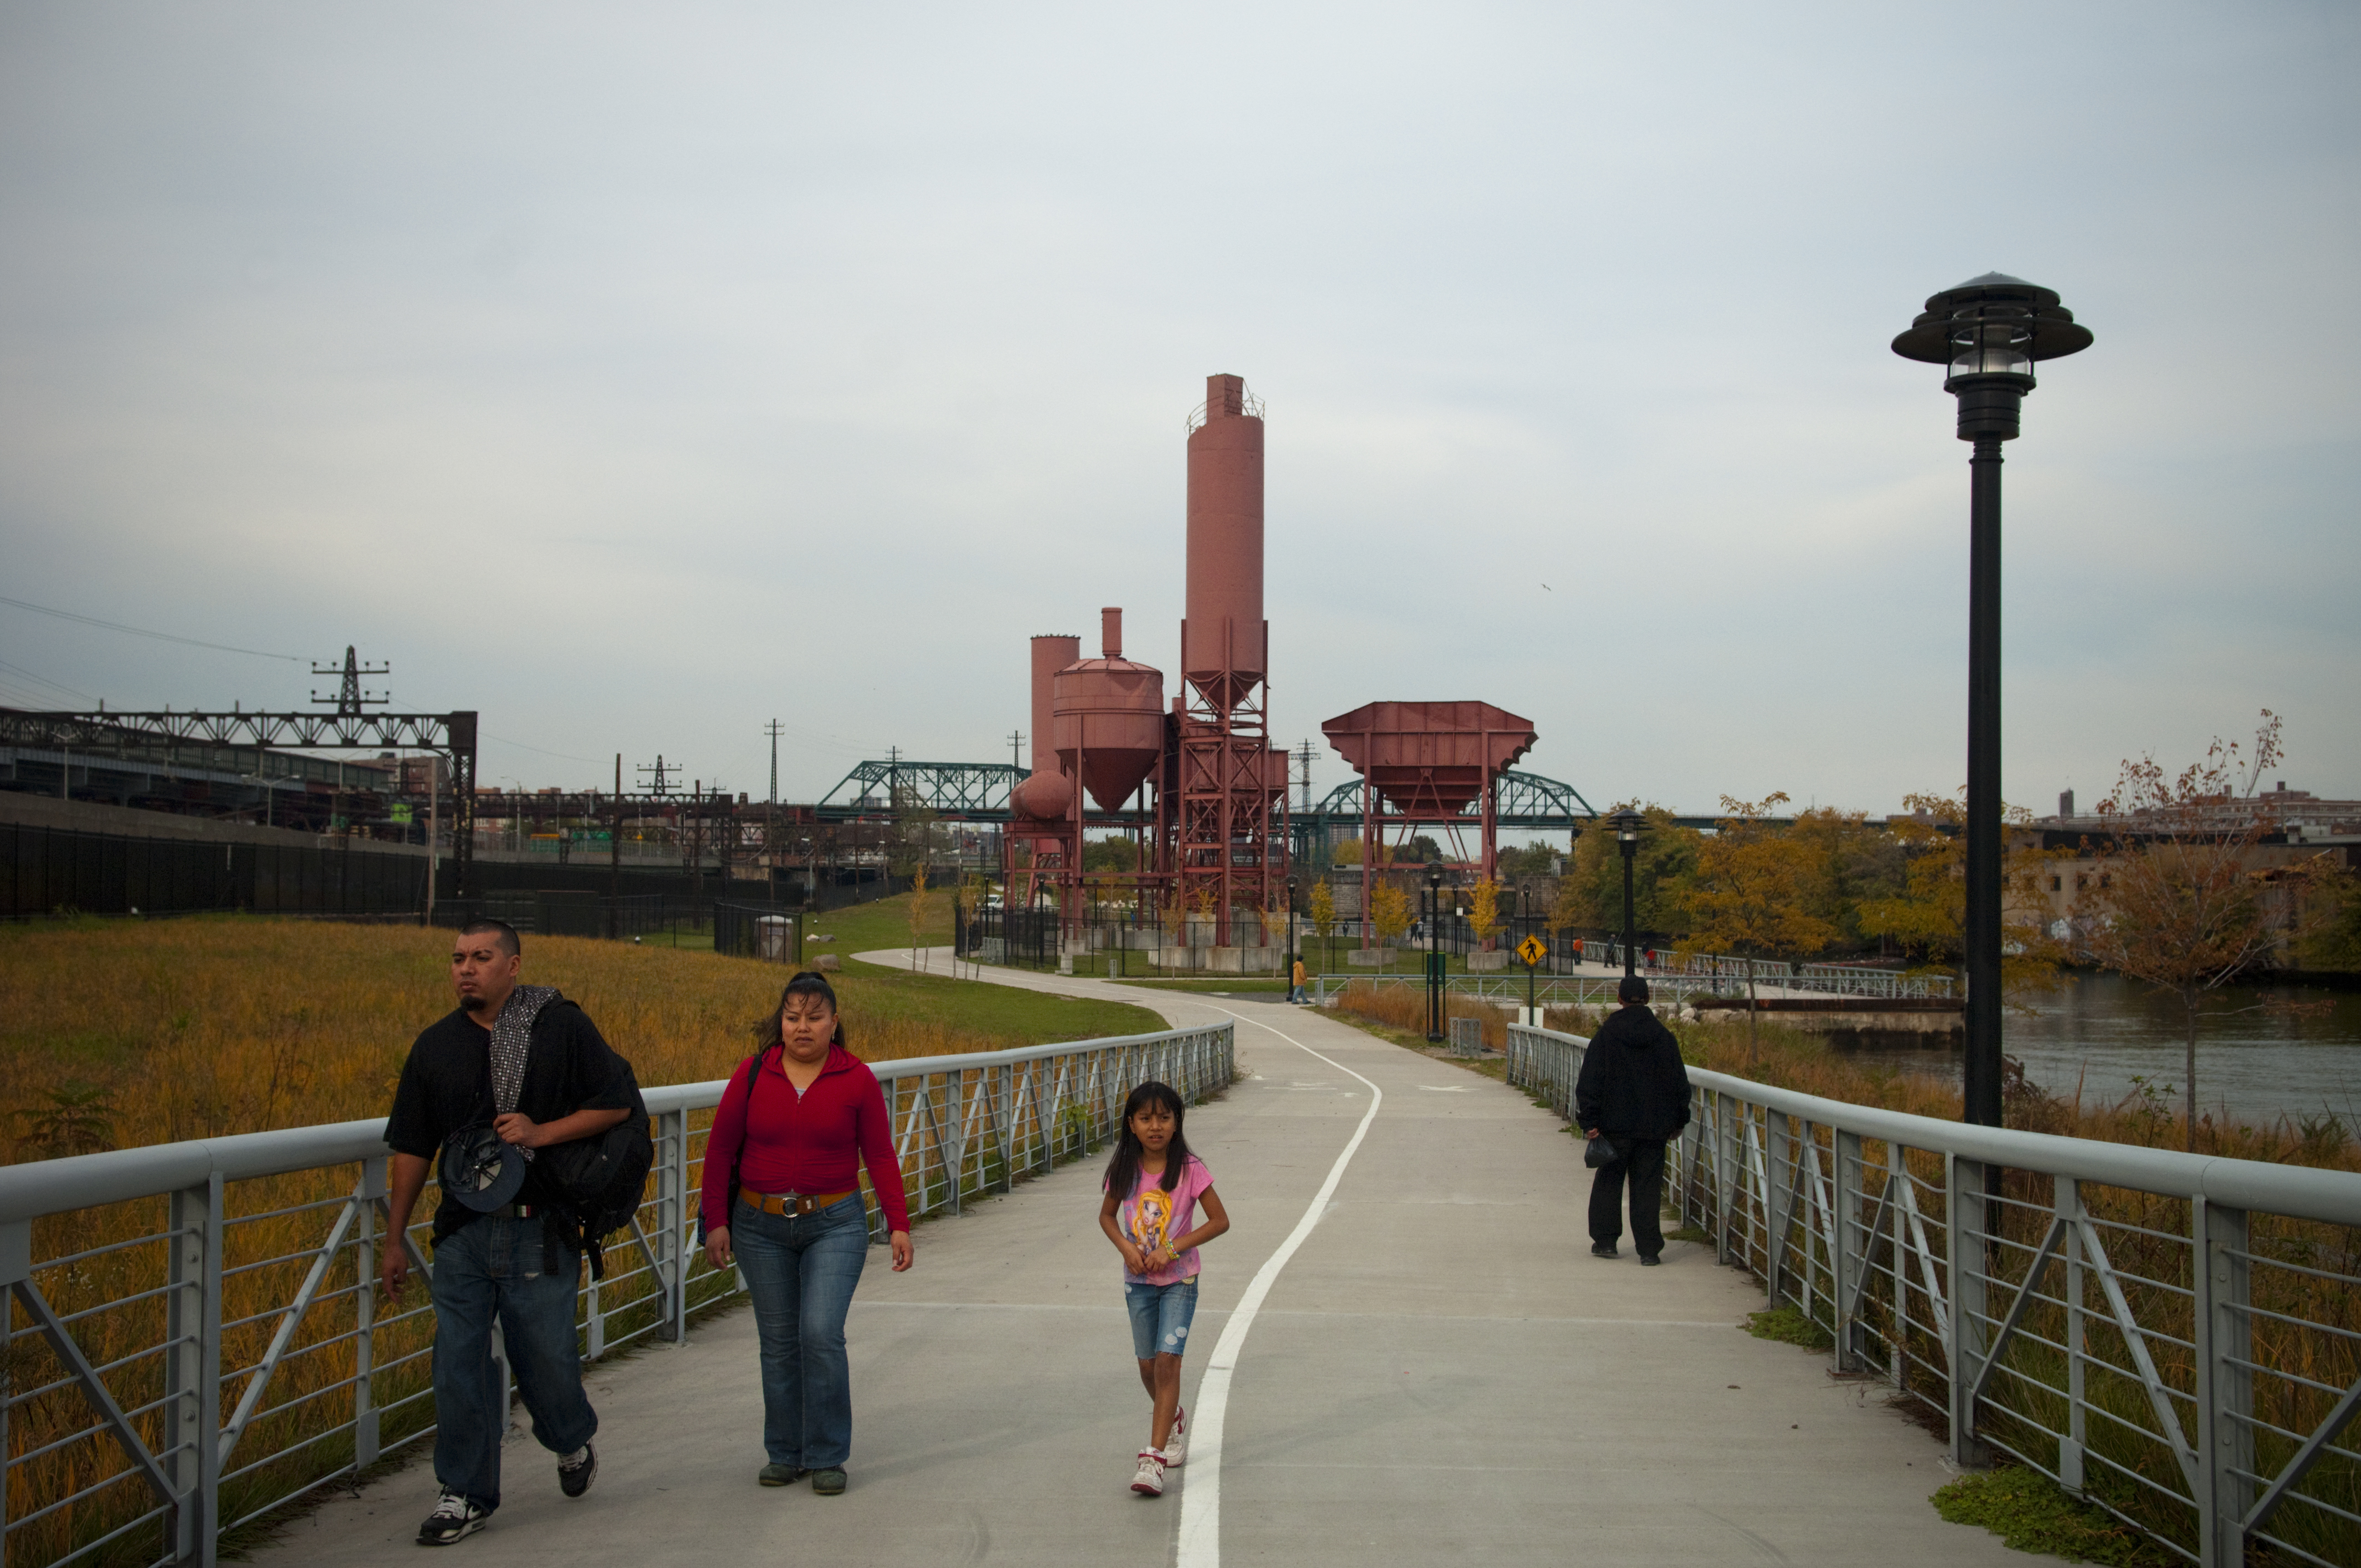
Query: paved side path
{"points": [[1440, 1372]]}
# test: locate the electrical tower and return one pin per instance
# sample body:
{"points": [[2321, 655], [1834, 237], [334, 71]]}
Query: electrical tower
{"points": [[772, 730], [1303, 758], [664, 778], [350, 699]]}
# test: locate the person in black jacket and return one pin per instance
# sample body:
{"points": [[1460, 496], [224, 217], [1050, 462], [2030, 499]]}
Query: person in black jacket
{"points": [[513, 1069], [1634, 1093]]}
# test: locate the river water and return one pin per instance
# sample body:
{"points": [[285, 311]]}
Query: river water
{"points": [[2257, 1058]]}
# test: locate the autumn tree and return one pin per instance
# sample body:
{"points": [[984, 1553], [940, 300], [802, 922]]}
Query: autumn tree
{"points": [[1484, 911], [1322, 912], [1590, 894], [1748, 895], [2188, 909], [1389, 911], [1847, 859], [920, 906], [1926, 917]]}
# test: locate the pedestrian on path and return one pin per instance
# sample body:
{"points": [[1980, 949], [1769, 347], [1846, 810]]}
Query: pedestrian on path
{"points": [[782, 1197], [1152, 1189], [1295, 983], [1633, 1093], [513, 1069]]}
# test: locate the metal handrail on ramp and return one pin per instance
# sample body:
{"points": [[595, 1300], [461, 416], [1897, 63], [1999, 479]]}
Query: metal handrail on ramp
{"points": [[2173, 1336], [194, 1338]]}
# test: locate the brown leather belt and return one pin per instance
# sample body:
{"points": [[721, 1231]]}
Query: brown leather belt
{"points": [[792, 1204]]}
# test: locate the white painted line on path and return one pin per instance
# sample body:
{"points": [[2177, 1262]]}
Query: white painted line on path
{"points": [[1201, 1494]]}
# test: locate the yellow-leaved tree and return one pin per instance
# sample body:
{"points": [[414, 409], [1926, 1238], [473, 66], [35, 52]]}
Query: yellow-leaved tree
{"points": [[1927, 916], [1484, 911], [1323, 914], [1389, 911], [1749, 893]]}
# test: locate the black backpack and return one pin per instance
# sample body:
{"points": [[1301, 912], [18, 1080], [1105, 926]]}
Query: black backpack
{"points": [[602, 1180]]}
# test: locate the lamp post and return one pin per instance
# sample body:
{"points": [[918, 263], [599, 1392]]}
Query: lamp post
{"points": [[1434, 952], [1987, 333], [1290, 943], [1628, 825]]}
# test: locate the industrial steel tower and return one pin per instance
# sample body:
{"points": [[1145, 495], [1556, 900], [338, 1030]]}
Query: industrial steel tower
{"points": [[1225, 782]]}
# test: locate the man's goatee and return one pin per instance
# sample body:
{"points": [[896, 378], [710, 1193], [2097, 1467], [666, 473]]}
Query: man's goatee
{"points": [[471, 1004]]}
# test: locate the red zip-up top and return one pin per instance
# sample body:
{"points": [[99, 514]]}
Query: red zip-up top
{"points": [[807, 1142]]}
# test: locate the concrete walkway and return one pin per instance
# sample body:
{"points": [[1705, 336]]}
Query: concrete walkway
{"points": [[1439, 1373]]}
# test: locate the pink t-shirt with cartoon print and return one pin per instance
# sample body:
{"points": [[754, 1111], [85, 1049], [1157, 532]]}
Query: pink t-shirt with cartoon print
{"points": [[1151, 1217]]}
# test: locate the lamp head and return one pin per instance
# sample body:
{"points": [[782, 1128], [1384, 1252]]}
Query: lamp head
{"points": [[1987, 334], [1628, 825]]}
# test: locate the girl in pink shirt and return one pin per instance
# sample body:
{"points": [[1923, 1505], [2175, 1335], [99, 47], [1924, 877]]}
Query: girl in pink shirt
{"points": [[1152, 1190]]}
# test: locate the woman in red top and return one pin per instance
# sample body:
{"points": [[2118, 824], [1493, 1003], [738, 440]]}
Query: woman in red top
{"points": [[783, 1196]]}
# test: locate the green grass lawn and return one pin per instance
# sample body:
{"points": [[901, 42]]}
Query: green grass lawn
{"points": [[969, 1006]]}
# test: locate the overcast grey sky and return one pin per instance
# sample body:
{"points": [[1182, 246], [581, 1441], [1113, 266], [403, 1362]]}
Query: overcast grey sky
{"points": [[637, 375]]}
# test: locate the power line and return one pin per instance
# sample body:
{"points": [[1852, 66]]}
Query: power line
{"points": [[44, 681], [143, 631]]}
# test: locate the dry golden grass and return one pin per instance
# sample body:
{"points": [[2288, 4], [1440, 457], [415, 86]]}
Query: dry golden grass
{"points": [[196, 1028]]}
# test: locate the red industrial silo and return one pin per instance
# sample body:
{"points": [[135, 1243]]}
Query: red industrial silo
{"points": [[1223, 822], [1108, 719], [1428, 760], [1045, 795], [1223, 641]]}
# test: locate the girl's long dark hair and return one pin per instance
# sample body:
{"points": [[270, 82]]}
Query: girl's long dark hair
{"points": [[1123, 1167], [767, 1035]]}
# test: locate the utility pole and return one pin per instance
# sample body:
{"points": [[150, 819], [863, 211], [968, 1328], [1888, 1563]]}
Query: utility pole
{"points": [[772, 730], [1304, 756], [1016, 756]]}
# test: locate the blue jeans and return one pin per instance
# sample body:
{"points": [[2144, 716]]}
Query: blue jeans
{"points": [[494, 1267], [1160, 1316], [801, 1272]]}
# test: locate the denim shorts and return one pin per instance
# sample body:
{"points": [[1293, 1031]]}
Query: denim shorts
{"points": [[1160, 1317]]}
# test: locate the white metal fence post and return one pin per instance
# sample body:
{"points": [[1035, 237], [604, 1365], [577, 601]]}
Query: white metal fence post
{"points": [[2065, 1200], [2225, 1388], [1847, 1258], [366, 1427], [1964, 1222], [193, 1369]]}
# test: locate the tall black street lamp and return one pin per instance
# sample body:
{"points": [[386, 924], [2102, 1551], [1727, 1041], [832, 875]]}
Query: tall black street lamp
{"points": [[1435, 951], [1628, 825], [1988, 333]]}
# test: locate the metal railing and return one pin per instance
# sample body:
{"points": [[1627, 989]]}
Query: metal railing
{"points": [[1507, 988], [194, 1337], [2174, 1337]]}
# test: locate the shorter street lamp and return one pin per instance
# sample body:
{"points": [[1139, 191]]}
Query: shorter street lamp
{"points": [[1434, 952], [1628, 827], [1290, 938]]}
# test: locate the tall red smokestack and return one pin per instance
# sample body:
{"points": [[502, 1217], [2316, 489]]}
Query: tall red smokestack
{"points": [[1050, 654], [1222, 637]]}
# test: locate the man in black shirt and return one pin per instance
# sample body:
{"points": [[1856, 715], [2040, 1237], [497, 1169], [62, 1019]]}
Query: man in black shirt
{"points": [[526, 1061], [1634, 1093]]}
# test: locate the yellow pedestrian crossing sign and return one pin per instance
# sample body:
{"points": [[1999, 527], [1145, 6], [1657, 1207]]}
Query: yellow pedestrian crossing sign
{"points": [[1532, 951]]}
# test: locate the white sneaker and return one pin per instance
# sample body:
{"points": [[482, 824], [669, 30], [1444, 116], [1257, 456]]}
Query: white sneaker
{"points": [[1176, 1447], [454, 1519], [1149, 1481]]}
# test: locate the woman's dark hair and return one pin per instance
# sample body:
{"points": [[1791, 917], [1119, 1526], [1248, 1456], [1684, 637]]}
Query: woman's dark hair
{"points": [[1123, 1167], [807, 984]]}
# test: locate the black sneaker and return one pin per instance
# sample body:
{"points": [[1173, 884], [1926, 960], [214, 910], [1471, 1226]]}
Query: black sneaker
{"points": [[454, 1518], [781, 1474], [1650, 1260], [578, 1470], [829, 1480], [1604, 1249]]}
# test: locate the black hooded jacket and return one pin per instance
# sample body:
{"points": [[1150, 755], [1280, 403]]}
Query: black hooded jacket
{"points": [[1632, 1083]]}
